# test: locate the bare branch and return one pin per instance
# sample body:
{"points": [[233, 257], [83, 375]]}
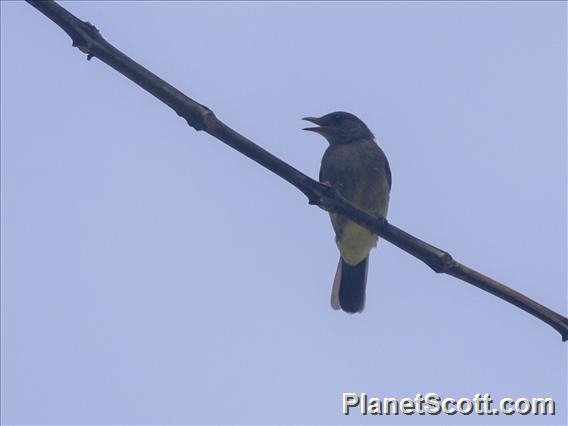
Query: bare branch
{"points": [[88, 39]]}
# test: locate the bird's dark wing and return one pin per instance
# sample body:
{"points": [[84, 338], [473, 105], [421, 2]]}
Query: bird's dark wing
{"points": [[388, 172]]}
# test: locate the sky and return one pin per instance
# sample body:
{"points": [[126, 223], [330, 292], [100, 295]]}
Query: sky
{"points": [[152, 275]]}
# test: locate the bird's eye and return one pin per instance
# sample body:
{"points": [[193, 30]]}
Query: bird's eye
{"points": [[337, 118]]}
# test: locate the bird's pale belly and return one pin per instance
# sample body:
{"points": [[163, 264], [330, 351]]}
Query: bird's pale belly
{"points": [[355, 244]]}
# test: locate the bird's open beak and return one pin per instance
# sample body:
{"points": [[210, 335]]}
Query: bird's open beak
{"points": [[314, 120]]}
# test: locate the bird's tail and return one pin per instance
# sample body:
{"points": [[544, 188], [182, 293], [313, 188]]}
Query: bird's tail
{"points": [[349, 285]]}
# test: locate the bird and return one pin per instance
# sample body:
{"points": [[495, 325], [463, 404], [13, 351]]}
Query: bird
{"points": [[358, 169]]}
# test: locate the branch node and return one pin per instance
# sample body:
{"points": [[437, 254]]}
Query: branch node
{"points": [[209, 119], [83, 37], [202, 120], [444, 262]]}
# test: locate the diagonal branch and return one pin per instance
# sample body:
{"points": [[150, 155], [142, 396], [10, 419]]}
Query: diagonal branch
{"points": [[88, 39]]}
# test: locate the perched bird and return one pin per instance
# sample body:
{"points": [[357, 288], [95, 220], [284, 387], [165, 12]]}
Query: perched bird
{"points": [[356, 166]]}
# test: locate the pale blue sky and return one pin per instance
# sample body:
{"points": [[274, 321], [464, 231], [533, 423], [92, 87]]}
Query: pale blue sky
{"points": [[151, 275]]}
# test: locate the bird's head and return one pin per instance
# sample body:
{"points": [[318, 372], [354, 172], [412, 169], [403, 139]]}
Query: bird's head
{"points": [[339, 127]]}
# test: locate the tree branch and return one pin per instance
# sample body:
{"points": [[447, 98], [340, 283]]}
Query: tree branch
{"points": [[88, 39]]}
